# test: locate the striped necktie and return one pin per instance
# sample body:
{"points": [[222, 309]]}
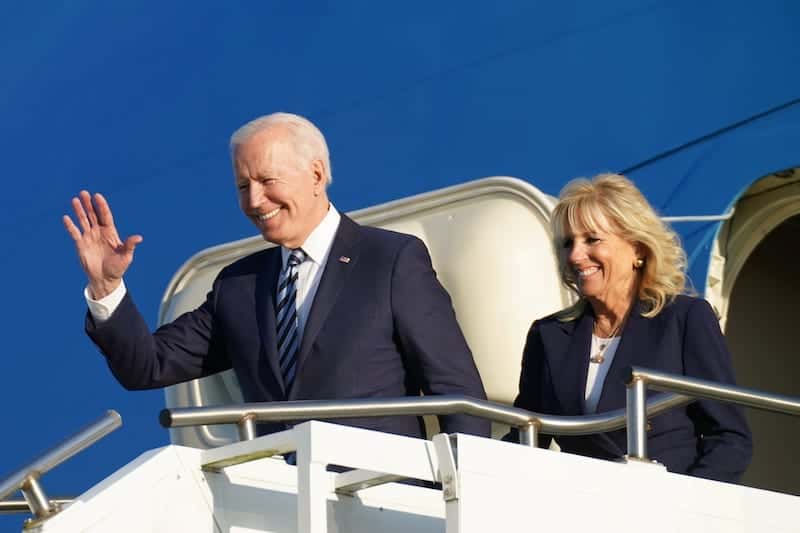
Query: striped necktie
{"points": [[288, 335]]}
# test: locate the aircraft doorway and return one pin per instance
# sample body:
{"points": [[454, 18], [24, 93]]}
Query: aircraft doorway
{"points": [[762, 334]]}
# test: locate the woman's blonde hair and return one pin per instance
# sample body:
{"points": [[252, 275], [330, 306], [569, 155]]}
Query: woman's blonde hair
{"points": [[612, 203]]}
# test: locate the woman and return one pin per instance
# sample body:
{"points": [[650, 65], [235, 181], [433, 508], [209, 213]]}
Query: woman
{"points": [[628, 270]]}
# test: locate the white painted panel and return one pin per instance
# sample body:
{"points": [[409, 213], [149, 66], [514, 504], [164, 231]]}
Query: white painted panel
{"points": [[157, 492], [502, 487], [505, 486]]}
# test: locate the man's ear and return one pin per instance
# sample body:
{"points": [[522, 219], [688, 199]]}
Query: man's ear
{"points": [[318, 170]]}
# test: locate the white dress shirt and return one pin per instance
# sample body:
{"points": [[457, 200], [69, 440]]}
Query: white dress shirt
{"points": [[103, 308], [317, 246]]}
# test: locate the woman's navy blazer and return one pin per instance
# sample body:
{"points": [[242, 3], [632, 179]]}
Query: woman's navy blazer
{"points": [[706, 439]]}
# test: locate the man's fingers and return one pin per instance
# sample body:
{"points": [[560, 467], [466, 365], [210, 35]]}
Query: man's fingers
{"points": [[132, 242], [80, 214], [104, 215], [71, 228], [86, 200]]}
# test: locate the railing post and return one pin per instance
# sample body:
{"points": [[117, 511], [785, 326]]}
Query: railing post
{"points": [[27, 478], [637, 418], [313, 484], [528, 435], [36, 498], [247, 427]]}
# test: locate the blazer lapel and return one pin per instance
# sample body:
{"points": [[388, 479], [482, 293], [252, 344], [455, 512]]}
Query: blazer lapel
{"points": [[266, 283], [332, 281], [570, 381], [629, 351], [569, 373]]}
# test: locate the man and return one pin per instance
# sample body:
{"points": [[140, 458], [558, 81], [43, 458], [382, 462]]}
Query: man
{"points": [[337, 310]]}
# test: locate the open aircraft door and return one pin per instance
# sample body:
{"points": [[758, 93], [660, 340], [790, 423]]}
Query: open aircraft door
{"points": [[753, 283]]}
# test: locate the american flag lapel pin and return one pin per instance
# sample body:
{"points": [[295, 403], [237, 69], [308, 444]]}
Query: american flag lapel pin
{"points": [[344, 259]]}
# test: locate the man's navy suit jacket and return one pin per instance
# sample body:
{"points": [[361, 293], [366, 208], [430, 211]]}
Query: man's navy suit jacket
{"points": [[381, 325], [705, 439]]}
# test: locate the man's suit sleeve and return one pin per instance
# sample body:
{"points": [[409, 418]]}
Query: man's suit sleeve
{"points": [[187, 348], [436, 353], [724, 441]]}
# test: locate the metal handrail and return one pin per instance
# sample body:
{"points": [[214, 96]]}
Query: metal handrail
{"points": [[528, 423], [26, 479], [21, 506], [639, 379]]}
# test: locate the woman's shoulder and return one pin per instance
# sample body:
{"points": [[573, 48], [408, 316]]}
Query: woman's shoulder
{"points": [[563, 319], [683, 305], [551, 327]]}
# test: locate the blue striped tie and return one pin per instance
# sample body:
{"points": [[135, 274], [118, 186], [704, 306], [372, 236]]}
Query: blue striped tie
{"points": [[286, 311]]}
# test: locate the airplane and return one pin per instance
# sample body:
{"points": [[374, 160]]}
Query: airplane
{"points": [[697, 103]]}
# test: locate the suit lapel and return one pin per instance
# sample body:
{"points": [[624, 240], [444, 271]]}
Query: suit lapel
{"points": [[333, 279], [570, 378], [630, 350], [570, 381], [266, 282]]}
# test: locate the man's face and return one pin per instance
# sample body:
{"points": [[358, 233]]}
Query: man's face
{"points": [[281, 192]]}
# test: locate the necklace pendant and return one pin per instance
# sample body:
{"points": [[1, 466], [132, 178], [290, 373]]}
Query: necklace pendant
{"points": [[597, 358]]}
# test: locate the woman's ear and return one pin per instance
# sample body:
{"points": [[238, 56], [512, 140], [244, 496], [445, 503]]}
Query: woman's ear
{"points": [[641, 256]]}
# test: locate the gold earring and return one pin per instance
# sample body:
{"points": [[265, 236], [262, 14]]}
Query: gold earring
{"points": [[639, 263]]}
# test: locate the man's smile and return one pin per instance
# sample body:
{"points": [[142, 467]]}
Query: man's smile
{"points": [[267, 216]]}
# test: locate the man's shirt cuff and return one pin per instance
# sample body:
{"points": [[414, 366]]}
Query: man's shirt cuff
{"points": [[103, 308]]}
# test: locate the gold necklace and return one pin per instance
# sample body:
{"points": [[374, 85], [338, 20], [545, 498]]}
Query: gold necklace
{"points": [[599, 356]]}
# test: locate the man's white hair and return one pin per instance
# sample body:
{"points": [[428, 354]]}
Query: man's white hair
{"points": [[306, 138]]}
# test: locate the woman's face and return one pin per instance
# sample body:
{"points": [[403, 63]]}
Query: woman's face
{"points": [[603, 265]]}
